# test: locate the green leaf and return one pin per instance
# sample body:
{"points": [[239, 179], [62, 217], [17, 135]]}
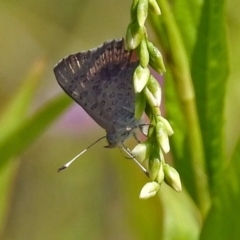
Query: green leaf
{"points": [[223, 219], [187, 15], [178, 141], [181, 218], [31, 128], [16, 109], [209, 72], [181, 111], [209, 67]]}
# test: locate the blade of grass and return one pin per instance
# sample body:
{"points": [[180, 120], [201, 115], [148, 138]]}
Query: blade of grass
{"points": [[31, 128], [16, 109]]}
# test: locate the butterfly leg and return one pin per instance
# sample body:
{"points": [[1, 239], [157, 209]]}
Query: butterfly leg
{"points": [[128, 152]]}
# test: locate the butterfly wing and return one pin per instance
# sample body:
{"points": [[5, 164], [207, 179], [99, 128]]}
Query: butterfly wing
{"points": [[100, 80]]}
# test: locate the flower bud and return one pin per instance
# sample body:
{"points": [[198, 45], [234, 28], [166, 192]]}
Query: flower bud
{"points": [[154, 165], [140, 78], [160, 176], [140, 104], [172, 178], [154, 87], [134, 35], [142, 12], [162, 137], [134, 9], [149, 190], [155, 58], [149, 97], [167, 126], [142, 151], [143, 54]]}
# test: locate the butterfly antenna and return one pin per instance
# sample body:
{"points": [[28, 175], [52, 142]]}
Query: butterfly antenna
{"points": [[71, 161], [128, 152]]}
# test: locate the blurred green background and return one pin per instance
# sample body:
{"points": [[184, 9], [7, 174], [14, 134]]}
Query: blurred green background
{"points": [[96, 198]]}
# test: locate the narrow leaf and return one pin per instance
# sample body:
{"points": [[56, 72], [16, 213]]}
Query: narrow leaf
{"points": [[209, 72], [31, 128]]}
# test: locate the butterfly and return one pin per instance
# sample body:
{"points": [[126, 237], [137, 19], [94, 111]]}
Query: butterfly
{"points": [[100, 80]]}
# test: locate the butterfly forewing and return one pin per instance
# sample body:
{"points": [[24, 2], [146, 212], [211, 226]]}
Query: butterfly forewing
{"points": [[100, 80]]}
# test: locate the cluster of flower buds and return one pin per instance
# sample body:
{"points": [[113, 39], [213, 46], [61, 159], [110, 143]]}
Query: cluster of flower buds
{"points": [[152, 151], [148, 99]]}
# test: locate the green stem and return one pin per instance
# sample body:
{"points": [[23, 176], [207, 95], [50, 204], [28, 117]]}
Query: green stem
{"points": [[181, 71]]}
